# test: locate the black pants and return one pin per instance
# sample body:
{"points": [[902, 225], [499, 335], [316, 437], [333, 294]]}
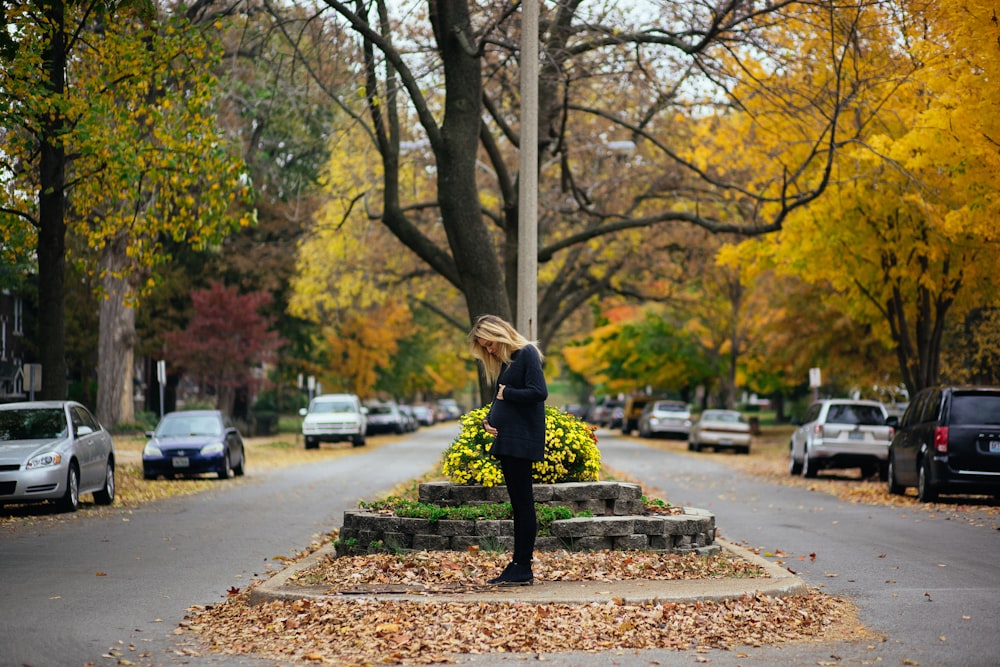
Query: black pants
{"points": [[517, 475]]}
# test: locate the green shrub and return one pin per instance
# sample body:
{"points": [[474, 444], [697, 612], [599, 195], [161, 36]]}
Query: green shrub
{"points": [[412, 509], [571, 453]]}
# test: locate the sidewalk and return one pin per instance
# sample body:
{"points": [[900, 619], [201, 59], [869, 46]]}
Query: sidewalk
{"points": [[780, 583]]}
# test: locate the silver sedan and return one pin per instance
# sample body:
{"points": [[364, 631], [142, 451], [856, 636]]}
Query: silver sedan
{"points": [[720, 429], [54, 450]]}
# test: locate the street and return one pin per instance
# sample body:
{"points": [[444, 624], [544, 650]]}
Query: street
{"points": [[928, 582], [76, 590], [92, 590]]}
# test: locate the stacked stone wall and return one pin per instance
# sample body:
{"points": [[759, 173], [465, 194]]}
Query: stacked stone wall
{"points": [[620, 521]]}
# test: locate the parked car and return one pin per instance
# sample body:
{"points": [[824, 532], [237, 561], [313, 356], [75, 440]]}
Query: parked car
{"points": [[424, 415], [334, 418], [54, 450], [948, 441], [632, 410], [661, 417], [412, 424], [448, 409], [193, 442], [720, 429], [385, 418], [841, 433], [608, 413]]}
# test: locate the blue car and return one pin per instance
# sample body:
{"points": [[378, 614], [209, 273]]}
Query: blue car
{"points": [[192, 442]]}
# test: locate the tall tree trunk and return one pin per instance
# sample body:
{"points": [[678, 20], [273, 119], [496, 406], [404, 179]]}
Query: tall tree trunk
{"points": [[468, 235], [52, 217], [116, 341], [473, 248]]}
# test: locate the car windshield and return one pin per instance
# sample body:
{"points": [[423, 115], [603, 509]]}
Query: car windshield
{"points": [[729, 417], [975, 409], [332, 406], [380, 409], [865, 415], [32, 424], [670, 407], [183, 425]]}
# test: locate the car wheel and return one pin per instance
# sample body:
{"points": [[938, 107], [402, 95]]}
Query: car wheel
{"points": [[794, 467], [106, 495], [926, 493], [239, 470], [358, 440], [892, 486], [70, 502], [810, 466], [312, 443], [743, 450], [226, 471]]}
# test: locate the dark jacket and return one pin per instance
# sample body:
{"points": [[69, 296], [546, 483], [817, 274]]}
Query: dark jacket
{"points": [[520, 417]]}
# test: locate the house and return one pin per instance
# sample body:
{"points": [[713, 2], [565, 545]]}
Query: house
{"points": [[13, 347]]}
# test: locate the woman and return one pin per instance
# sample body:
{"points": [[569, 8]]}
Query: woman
{"points": [[517, 421]]}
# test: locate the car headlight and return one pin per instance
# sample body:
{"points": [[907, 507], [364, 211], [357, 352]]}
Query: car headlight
{"points": [[213, 448], [43, 461], [151, 450]]}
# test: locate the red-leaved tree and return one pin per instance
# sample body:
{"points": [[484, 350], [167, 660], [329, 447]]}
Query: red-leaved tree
{"points": [[228, 343]]}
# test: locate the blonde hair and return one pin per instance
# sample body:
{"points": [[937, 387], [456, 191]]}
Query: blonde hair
{"points": [[497, 330]]}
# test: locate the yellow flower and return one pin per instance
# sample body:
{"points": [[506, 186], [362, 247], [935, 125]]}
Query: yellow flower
{"points": [[571, 453]]}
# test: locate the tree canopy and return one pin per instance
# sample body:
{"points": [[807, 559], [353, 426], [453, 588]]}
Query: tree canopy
{"points": [[444, 83], [903, 241], [228, 344], [110, 137]]}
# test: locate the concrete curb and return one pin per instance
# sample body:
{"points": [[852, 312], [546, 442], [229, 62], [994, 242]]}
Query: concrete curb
{"points": [[780, 583]]}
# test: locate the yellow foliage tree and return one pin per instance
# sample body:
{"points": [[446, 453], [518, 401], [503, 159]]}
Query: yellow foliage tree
{"points": [[110, 139], [356, 280], [906, 240]]}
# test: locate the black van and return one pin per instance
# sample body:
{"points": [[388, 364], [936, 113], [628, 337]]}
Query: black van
{"points": [[948, 441]]}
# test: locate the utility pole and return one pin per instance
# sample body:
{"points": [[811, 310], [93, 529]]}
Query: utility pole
{"points": [[527, 199]]}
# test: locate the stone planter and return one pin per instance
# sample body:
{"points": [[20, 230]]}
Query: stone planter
{"points": [[619, 521]]}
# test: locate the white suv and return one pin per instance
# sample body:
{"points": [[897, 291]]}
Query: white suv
{"points": [[841, 433], [334, 418]]}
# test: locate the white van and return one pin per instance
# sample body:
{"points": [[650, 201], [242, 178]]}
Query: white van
{"points": [[334, 418]]}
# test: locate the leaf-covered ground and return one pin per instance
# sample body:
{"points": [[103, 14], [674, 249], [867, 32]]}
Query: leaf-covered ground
{"points": [[346, 631], [354, 631], [475, 567]]}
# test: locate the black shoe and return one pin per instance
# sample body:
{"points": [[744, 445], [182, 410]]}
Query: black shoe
{"points": [[514, 574]]}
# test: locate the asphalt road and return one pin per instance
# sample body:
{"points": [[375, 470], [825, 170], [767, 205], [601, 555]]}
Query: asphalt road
{"points": [[91, 589], [930, 583], [87, 590]]}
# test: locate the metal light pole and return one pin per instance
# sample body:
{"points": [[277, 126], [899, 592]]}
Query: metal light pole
{"points": [[527, 201]]}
